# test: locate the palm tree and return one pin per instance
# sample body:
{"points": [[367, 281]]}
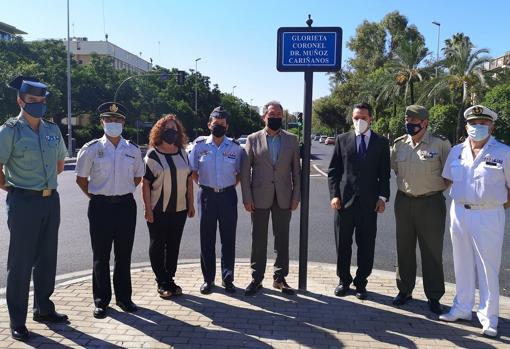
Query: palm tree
{"points": [[463, 63], [404, 68]]}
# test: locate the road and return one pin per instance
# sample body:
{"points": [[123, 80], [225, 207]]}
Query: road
{"points": [[74, 253]]}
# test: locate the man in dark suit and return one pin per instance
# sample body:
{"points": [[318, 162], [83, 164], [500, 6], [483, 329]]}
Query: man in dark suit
{"points": [[358, 178]]}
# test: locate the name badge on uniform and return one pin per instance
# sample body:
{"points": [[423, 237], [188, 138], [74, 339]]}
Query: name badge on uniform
{"points": [[100, 153], [425, 154], [129, 156], [53, 139], [490, 161], [232, 156]]}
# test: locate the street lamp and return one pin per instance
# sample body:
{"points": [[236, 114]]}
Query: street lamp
{"points": [[233, 88], [69, 123], [437, 51], [196, 85]]}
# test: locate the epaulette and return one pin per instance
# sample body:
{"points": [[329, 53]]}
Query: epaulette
{"points": [[235, 141], [11, 122], [444, 138], [398, 139], [201, 140], [133, 143], [94, 141], [50, 122]]}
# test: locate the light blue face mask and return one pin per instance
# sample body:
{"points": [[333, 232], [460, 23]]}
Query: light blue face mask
{"points": [[112, 129], [478, 132]]}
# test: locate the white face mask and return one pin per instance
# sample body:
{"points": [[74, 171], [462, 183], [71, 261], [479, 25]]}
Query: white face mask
{"points": [[360, 125], [112, 129], [477, 132]]}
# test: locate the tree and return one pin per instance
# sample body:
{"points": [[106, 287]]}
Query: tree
{"points": [[443, 119], [369, 47], [498, 99], [464, 64], [330, 112]]}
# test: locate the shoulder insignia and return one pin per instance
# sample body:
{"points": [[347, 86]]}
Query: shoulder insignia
{"points": [[200, 141], [444, 138], [235, 141], [11, 122], [133, 143], [50, 122], [94, 141], [398, 139]]}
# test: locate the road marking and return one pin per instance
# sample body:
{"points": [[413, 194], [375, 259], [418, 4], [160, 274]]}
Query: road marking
{"points": [[315, 175], [319, 170]]}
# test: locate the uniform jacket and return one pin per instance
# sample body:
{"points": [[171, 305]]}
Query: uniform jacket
{"points": [[261, 181]]}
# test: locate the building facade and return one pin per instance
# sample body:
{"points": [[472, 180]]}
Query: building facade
{"points": [[9, 32], [82, 50]]}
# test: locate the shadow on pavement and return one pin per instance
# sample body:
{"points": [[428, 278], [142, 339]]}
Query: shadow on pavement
{"points": [[177, 333]]}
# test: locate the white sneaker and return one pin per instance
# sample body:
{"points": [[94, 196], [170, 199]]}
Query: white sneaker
{"points": [[453, 316], [489, 331]]}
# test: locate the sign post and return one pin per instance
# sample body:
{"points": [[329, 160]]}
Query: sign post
{"points": [[308, 50]]}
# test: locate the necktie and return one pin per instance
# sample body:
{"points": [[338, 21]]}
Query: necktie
{"points": [[362, 151]]}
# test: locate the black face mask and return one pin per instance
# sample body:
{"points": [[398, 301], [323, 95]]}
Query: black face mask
{"points": [[218, 131], [413, 129], [170, 136], [274, 123]]}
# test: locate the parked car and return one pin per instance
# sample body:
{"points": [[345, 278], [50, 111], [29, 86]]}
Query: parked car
{"points": [[322, 139], [317, 137], [329, 140], [242, 141], [190, 145]]}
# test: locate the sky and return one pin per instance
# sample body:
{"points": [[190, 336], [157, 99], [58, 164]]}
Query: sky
{"points": [[236, 39]]}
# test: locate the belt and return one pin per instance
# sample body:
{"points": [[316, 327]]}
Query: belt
{"points": [[479, 206], [215, 190], [112, 199], [426, 195], [43, 193]]}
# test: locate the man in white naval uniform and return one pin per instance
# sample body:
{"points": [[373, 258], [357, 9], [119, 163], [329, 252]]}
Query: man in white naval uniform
{"points": [[479, 171]]}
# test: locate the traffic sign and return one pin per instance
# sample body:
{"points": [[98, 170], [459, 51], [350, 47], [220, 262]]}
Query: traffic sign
{"points": [[309, 49]]}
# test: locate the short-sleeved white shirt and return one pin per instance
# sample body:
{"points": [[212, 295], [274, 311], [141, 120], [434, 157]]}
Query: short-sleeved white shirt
{"points": [[111, 170], [480, 181]]}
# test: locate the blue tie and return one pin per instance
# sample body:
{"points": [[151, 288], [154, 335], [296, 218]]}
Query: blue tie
{"points": [[362, 151]]}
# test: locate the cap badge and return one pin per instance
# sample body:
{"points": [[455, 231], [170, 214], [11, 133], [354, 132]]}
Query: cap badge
{"points": [[114, 108], [477, 110]]}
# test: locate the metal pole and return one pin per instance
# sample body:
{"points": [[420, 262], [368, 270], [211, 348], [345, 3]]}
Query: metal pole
{"points": [[305, 181], [69, 124], [437, 51], [233, 87], [196, 86]]}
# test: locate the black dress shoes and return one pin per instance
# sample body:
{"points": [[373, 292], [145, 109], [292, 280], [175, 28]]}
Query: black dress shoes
{"points": [[435, 306], [20, 333], [252, 288], [229, 286], [99, 313], [401, 299], [361, 293], [283, 286], [341, 290], [206, 287], [128, 307], [51, 318]]}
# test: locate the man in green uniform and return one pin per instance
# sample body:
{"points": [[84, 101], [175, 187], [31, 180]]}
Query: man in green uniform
{"points": [[32, 153], [420, 211]]}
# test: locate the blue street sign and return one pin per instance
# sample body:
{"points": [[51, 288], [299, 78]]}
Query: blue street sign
{"points": [[309, 49]]}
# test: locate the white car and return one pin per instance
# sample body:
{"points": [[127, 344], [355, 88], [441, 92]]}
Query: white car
{"points": [[190, 145], [322, 139], [242, 141]]}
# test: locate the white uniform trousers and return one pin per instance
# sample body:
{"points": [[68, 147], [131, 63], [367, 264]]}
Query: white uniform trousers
{"points": [[477, 239]]}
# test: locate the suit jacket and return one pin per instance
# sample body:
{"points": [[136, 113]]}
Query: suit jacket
{"points": [[350, 176], [261, 181]]}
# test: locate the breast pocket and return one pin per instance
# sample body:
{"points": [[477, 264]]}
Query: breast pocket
{"points": [[128, 165], [490, 174], [400, 160], [101, 168], [457, 171]]}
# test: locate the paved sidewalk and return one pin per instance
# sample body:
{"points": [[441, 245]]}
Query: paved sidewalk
{"points": [[315, 319]]}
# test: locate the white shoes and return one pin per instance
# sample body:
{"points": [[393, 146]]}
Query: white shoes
{"points": [[453, 316], [489, 331]]}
